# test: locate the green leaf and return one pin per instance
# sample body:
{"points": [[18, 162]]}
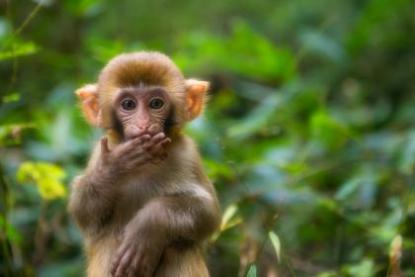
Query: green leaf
{"points": [[407, 160], [11, 232], [251, 271], [245, 51], [360, 190], [365, 268], [276, 243], [13, 97], [323, 45], [328, 274], [20, 49], [329, 131], [229, 213], [257, 119], [229, 220], [83, 7], [395, 250], [348, 188]]}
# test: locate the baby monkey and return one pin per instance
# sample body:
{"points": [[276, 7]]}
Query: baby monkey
{"points": [[144, 204]]}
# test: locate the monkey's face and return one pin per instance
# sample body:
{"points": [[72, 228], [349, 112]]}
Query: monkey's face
{"points": [[142, 91], [143, 109]]}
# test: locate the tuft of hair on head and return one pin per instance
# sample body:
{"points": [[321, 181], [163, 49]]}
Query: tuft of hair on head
{"points": [[148, 68], [137, 69]]}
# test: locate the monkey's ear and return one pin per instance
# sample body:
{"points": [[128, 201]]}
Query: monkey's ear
{"points": [[88, 95], [195, 97]]}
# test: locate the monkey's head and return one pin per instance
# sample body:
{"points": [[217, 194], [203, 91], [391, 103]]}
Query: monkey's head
{"points": [[142, 91]]}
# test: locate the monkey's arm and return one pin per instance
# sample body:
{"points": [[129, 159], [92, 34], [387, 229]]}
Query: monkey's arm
{"points": [[162, 222], [184, 218], [94, 194], [92, 200]]}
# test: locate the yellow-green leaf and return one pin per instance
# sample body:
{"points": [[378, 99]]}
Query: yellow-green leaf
{"points": [[47, 177], [22, 49], [276, 243], [229, 213]]}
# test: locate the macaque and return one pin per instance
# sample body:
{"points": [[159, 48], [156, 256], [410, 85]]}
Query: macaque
{"points": [[144, 204]]}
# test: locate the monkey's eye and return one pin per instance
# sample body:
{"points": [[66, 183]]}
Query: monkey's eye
{"points": [[156, 103], [128, 104]]}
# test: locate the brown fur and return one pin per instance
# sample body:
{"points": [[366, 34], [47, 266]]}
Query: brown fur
{"points": [[173, 200]]}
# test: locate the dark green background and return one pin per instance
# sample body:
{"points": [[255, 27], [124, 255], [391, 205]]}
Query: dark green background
{"points": [[309, 132]]}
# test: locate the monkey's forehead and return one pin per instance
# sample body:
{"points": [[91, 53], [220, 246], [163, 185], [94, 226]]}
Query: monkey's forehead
{"points": [[133, 69], [143, 89]]}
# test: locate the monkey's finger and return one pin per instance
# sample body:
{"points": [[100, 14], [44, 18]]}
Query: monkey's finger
{"points": [[135, 266], [104, 146], [148, 144], [128, 146], [144, 138], [149, 263], [159, 136], [124, 262], [136, 145], [165, 142], [118, 256], [158, 149], [124, 146], [141, 265], [154, 141], [138, 161], [137, 153], [136, 158]]}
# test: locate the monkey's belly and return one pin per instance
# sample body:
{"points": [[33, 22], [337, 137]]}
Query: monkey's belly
{"points": [[100, 255], [187, 262]]}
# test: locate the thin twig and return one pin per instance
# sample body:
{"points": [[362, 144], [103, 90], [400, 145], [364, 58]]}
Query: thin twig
{"points": [[5, 242], [15, 33]]}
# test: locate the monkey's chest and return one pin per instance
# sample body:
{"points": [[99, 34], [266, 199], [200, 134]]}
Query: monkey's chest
{"points": [[133, 195]]}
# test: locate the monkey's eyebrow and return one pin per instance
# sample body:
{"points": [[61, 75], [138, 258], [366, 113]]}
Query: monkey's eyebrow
{"points": [[158, 90], [125, 92], [140, 90]]}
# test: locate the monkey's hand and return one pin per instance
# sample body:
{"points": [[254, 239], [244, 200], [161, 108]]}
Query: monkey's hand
{"points": [[156, 147], [131, 154], [139, 253]]}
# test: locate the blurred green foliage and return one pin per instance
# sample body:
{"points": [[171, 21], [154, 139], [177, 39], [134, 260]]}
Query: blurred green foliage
{"points": [[46, 176], [309, 134]]}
